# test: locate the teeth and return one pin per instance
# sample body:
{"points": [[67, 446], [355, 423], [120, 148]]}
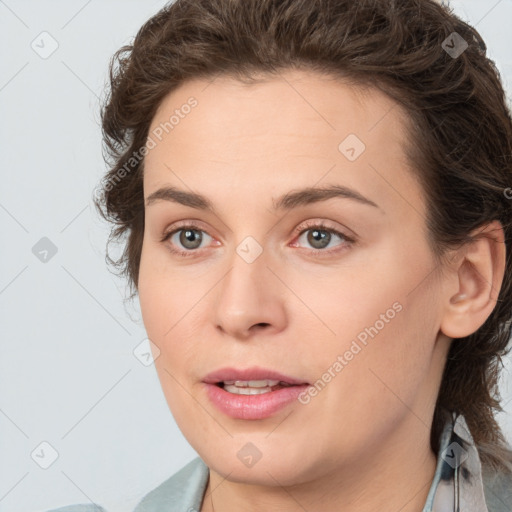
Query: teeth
{"points": [[253, 387], [247, 390], [251, 383]]}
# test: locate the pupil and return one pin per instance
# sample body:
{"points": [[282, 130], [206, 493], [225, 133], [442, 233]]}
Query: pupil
{"points": [[319, 239], [189, 237]]}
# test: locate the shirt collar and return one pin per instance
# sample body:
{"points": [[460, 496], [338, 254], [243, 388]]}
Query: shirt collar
{"points": [[457, 483]]}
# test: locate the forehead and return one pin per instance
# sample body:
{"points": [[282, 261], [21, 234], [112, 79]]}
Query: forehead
{"points": [[295, 127], [314, 100]]}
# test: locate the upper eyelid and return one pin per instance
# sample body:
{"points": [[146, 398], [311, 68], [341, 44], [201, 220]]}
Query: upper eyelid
{"points": [[309, 225], [168, 233], [322, 224]]}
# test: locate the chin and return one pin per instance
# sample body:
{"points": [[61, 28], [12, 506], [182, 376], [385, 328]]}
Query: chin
{"points": [[272, 469]]}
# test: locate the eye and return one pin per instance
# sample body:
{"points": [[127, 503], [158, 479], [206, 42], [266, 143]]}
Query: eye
{"points": [[188, 237], [321, 237]]}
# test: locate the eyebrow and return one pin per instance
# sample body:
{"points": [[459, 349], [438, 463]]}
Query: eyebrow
{"points": [[287, 201]]}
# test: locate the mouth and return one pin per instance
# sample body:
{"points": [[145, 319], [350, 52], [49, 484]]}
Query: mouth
{"points": [[253, 393], [252, 387], [251, 381]]}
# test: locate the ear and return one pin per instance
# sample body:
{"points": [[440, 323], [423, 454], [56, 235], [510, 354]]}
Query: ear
{"points": [[475, 283]]}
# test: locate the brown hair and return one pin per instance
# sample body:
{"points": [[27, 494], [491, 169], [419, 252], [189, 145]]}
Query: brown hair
{"points": [[460, 140]]}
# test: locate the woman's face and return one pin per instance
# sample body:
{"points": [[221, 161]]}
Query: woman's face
{"points": [[336, 290]]}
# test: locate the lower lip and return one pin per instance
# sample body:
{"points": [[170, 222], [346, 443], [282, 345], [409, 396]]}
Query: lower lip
{"points": [[253, 407]]}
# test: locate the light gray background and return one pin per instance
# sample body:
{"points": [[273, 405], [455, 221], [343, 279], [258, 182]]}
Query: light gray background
{"points": [[68, 373]]}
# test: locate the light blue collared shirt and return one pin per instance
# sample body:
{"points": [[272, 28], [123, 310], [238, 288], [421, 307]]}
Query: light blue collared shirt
{"points": [[459, 485]]}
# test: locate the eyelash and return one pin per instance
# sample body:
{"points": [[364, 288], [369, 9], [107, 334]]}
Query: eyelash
{"points": [[308, 226]]}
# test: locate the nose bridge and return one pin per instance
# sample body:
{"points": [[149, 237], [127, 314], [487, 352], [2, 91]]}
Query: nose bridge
{"points": [[247, 281], [249, 293]]}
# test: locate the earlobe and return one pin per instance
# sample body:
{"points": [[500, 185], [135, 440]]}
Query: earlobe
{"points": [[474, 288]]}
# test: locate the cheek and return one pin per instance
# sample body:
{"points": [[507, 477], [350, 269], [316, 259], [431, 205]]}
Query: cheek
{"points": [[381, 318], [165, 294], [367, 387], [172, 307], [166, 314], [153, 303]]}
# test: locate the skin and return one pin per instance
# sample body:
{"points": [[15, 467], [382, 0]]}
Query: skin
{"points": [[363, 441]]}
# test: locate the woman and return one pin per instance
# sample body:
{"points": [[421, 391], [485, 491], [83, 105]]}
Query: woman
{"points": [[317, 208]]}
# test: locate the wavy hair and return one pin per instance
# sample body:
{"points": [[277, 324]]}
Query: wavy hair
{"points": [[459, 144]]}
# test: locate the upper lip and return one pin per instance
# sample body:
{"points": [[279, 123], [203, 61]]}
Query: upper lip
{"points": [[253, 373]]}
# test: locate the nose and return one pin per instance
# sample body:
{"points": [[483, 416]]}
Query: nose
{"points": [[250, 300]]}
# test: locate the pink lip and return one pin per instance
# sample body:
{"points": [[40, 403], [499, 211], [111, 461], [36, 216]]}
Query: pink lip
{"points": [[252, 407], [254, 373]]}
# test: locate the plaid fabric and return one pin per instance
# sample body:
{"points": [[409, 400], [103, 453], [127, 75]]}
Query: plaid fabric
{"points": [[458, 484]]}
